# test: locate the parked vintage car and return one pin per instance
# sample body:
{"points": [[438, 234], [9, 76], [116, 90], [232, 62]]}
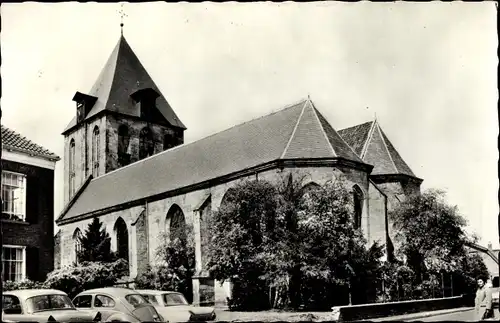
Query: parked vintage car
{"points": [[117, 304], [173, 306], [43, 305]]}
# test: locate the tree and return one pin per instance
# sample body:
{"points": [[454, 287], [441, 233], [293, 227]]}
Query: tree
{"points": [[96, 244], [238, 230], [303, 246], [430, 233], [175, 265]]}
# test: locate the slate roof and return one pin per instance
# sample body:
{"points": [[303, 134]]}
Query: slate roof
{"points": [[15, 141], [297, 131], [122, 75], [373, 146]]}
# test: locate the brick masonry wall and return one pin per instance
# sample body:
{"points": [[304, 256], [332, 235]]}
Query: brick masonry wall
{"points": [[37, 233]]}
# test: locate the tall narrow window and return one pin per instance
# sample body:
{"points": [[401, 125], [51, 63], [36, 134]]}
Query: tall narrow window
{"points": [[95, 152], [168, 141], [358, 206], [121, 234], [13, 196], [123, 145], [71, 168], [146, 143], [13, 263]]}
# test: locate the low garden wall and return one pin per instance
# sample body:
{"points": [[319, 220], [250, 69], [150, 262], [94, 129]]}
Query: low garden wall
{"points": [[376, 310]]}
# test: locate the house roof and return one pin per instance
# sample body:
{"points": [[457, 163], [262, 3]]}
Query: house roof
{"points": [[373, 146], [490, 252], [295, 132], [15, 141], [122, 75]]}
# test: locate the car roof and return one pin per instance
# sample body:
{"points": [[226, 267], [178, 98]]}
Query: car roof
{"points": [[155, 292], [27, 293], [116, 291]]}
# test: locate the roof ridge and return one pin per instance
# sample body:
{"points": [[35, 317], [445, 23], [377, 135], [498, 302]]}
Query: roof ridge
{"points": [[340, 136], [323, 129], [293, 132], [368, 138], [387, 149], [203, 138], [355, 126]]}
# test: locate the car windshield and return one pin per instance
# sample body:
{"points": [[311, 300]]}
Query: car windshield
{"points": [[49, 303], [172, 299], [136, 300]]}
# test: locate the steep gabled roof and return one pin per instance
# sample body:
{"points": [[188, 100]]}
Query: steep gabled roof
{"points": [[296, 132], [15, 141], [374, 147], [122, 75]]}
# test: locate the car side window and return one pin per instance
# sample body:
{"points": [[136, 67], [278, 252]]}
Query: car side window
{"points": [[151, 298], [11, 305], [83, 301], [103, 301]]}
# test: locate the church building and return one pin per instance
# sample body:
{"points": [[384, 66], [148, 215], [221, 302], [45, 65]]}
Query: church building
{"points": [[125, 161]]}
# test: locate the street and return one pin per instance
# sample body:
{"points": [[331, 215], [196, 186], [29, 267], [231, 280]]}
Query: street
{"points": [[457, 316]]}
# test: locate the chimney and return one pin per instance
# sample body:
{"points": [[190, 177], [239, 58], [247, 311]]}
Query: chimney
{"points": [[490, 246]]}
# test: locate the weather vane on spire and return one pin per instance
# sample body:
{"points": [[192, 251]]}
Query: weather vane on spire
{"points": [[122, 15]]}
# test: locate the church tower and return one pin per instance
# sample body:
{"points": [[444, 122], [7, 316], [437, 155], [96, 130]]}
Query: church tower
{"points": [[122, 119]]}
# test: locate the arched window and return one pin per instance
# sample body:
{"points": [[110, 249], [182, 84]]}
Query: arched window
{"points": [[77, 236], [228, 197], [95, 152], [71, 166], [121, 234], [146, 143], [176, 224], [168, 141], [358, 205], [123, 145], [306, 189]]}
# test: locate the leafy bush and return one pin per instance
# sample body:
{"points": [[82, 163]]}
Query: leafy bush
{"points": [[87, 275], [159, 277], [23, 284]]}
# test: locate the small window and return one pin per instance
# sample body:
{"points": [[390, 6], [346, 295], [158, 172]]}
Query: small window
{"points": [[495, 282], [103, 301], [174, 299], [11, 305], [83, 301], [49, 302]]}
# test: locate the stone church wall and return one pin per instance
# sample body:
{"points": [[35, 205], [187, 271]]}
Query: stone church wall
{"points": [[134, 128], [144, 236], [83, 154], [377, 215]]}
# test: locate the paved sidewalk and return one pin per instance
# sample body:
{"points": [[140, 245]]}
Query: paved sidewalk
{"points": [[416, 316]]}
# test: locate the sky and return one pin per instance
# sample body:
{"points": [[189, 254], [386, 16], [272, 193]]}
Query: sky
{"points": [[428, 71]]}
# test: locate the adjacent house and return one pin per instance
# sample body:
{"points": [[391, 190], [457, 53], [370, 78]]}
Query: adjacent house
{"points": [[27, 208], [489, 256]]}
